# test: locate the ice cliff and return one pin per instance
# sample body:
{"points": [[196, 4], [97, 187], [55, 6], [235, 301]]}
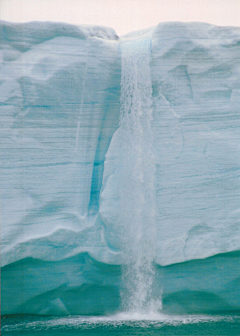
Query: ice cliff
{"points": [[64, 166]]}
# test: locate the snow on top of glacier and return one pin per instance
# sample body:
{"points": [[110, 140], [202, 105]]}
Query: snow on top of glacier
{"points": [[197, 30], [23, 35], [193, 30]]}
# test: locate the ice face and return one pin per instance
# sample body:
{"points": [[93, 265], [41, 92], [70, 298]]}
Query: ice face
{"points": [[64, 153], [196, 96], [60, 104]]}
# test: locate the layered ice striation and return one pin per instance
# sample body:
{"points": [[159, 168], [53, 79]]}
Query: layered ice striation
{"points": [[120, 170]]}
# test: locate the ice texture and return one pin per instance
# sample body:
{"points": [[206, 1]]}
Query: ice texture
{"points": [[61, 142], [196, 92]]}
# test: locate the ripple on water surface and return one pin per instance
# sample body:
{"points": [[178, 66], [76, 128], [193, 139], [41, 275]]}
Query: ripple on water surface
{"points": [[123, 324]]}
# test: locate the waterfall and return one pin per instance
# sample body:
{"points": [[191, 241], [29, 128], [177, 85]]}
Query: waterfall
{"points": [[137, 182]]}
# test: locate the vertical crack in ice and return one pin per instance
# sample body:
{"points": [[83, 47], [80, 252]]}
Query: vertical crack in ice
{"points": [[137, 170]]}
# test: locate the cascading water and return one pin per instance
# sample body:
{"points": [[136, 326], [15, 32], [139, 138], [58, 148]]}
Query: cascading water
{"points": [[137, 192]]}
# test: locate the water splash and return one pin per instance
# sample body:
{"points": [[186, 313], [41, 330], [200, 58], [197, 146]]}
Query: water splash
{"points": [[137, 187]]}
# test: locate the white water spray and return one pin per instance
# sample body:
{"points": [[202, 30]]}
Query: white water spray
{"points": [[137, 182]]}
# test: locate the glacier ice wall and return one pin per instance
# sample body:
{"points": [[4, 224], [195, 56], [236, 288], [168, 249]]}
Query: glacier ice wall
{"points": [[60, 109], [195, 71]]}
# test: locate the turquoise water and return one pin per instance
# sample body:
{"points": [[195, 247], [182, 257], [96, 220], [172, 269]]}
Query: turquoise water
{"points": [[122, 324]]}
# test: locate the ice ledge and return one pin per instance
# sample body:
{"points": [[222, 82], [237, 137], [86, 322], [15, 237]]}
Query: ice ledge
{"points": [[23, 35]]}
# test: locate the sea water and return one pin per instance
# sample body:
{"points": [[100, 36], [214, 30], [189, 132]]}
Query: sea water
{"points": [[122, 324]]}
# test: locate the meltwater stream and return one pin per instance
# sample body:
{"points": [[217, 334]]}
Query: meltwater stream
{"points": [[137, 182]]}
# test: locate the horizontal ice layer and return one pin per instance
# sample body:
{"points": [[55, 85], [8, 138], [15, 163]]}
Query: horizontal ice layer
{"points": [[81, 285], [59, 105]]}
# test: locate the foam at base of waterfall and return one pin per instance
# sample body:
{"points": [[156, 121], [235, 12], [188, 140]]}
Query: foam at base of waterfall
{"points": [[193, 325]]}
